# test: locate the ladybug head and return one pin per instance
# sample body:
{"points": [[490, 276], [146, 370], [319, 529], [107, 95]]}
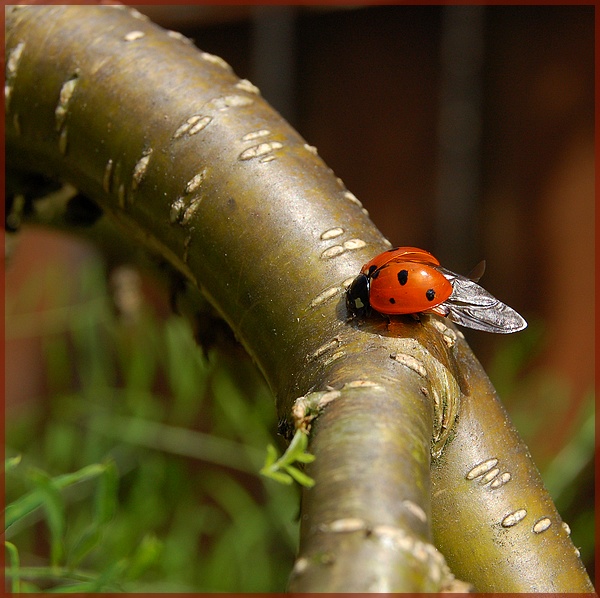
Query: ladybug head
{"points": [[357, 296]]}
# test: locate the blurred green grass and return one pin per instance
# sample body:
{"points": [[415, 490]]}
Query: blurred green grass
{"points": [[138, 469]]}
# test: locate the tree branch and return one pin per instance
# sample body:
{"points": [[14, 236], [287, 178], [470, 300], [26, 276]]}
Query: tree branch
{"points": [[194, 165]]}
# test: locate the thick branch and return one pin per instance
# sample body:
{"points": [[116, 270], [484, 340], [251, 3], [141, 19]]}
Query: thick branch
{"points": [[192, 163]]}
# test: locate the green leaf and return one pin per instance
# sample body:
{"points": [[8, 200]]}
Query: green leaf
{"points": [[278, 476], [301, 477], [296, 452], [54, 506], [13, 566], [107, 581], [271, 456], [299, 443], [186, 370], [108, 577], [305, 458], [105, 499], [34, 499], [84, 545], [105, 503]]}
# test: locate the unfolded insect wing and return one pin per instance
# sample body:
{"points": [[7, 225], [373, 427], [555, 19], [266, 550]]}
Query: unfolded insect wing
{"points": [[499, 318], [477, 272], [473, 307]]}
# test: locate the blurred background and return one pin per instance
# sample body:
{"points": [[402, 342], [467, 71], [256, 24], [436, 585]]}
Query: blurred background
{"points": [[465, 130]]}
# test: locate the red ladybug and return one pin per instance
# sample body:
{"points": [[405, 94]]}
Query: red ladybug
{"points": [[408, 280]]}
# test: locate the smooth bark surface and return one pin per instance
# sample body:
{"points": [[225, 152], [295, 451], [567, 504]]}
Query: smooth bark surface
{"points": [[191, 163]]}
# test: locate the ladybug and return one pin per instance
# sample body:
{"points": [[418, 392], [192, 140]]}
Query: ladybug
{"points": [[409, 280]]}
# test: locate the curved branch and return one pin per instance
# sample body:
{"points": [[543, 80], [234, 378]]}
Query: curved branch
{"points": [[195, 165]]}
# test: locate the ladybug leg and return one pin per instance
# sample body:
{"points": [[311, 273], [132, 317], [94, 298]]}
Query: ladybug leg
{"points": [[387, 319]]}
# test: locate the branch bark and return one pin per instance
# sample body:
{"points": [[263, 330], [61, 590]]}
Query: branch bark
{"points": [[194, 165]]}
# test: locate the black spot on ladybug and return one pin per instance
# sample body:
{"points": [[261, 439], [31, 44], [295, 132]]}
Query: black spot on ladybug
{"points": [[403, 277], [430, 294], [373, 272], [392, 300]]}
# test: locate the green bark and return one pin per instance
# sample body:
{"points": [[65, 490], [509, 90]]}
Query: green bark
{"points": [[194, 165]]}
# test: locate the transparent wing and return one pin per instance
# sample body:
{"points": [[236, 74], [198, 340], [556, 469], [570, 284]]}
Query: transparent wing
{"points": [[473, 307], [477, 272]]}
